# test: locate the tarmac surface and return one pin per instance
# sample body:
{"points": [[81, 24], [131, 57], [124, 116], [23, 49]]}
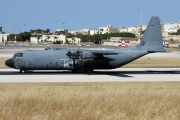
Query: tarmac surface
{"points": [[115, 75]]}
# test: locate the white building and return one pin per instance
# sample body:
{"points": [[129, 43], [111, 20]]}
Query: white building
{"points": [[63, 30], [108, 29], [133, 30], [3, 36], [171, 27], [74, 40], [74, 32], [82, 31], [85, 31], [92, 32], [60, 39], [141, 27]]}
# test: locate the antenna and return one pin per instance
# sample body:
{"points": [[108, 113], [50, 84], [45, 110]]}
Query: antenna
{"points": [[140, 27]]}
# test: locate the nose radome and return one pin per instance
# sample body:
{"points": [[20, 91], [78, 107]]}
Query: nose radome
{"points": [[9, 63]]}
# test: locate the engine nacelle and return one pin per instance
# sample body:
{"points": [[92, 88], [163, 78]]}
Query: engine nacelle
{"points": [[86, 55]]}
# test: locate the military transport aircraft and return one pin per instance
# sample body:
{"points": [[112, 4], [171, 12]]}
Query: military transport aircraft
{"points": [[80, 60]]}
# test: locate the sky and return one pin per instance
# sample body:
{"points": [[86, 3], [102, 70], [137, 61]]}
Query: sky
{"points": [[25, 15]]}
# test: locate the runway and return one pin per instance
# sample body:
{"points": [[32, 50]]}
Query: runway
{"points": [[115, 75]]}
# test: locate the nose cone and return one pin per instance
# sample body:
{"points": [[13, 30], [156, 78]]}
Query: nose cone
{"points": [[9, 63]]}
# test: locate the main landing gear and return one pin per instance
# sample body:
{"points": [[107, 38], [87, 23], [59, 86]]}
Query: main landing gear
{"points": [[24, 71]]}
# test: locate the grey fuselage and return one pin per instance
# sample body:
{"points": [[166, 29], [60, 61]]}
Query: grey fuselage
{"points": [[58, 59]]}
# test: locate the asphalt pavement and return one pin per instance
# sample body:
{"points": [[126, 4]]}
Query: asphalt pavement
{"points": [[115, 75]]}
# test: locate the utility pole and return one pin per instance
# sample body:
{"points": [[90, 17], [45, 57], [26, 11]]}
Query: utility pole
{"points": [[24, 27], [15, 22], [140, 26]]}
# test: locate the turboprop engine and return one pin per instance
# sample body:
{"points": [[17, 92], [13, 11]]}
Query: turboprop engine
{"points": [[86, 55], [80, 54]]}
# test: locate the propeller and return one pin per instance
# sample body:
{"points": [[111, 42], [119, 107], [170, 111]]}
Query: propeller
{"points": [[74, 54]]}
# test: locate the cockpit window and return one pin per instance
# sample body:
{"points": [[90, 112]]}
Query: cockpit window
{"points": [[17, 55]]}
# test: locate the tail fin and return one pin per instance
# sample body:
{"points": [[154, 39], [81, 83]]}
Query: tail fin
{"points": [[152, 38]]}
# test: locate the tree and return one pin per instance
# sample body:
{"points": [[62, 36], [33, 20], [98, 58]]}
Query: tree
{"points": [[178, 31], [47, 31], [25, 36], [59, 32], [12, 37], [33, 32]]}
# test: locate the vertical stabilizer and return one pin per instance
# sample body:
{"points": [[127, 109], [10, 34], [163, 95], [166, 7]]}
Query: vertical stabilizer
{"points": [[152, 38]]}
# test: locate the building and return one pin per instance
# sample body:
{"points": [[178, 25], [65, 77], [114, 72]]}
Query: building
{"points": [[85, 31], [74, 32], [3, 36], [171, 27], [133, 30], [108, 29], [82, 31], [59, 39], [64, 31], [141, 28], [74, 40], [92, 32]]}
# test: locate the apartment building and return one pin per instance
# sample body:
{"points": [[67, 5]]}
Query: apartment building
{"points": [[171, 27], [108, 29], [82, 31], [134, 30]]}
